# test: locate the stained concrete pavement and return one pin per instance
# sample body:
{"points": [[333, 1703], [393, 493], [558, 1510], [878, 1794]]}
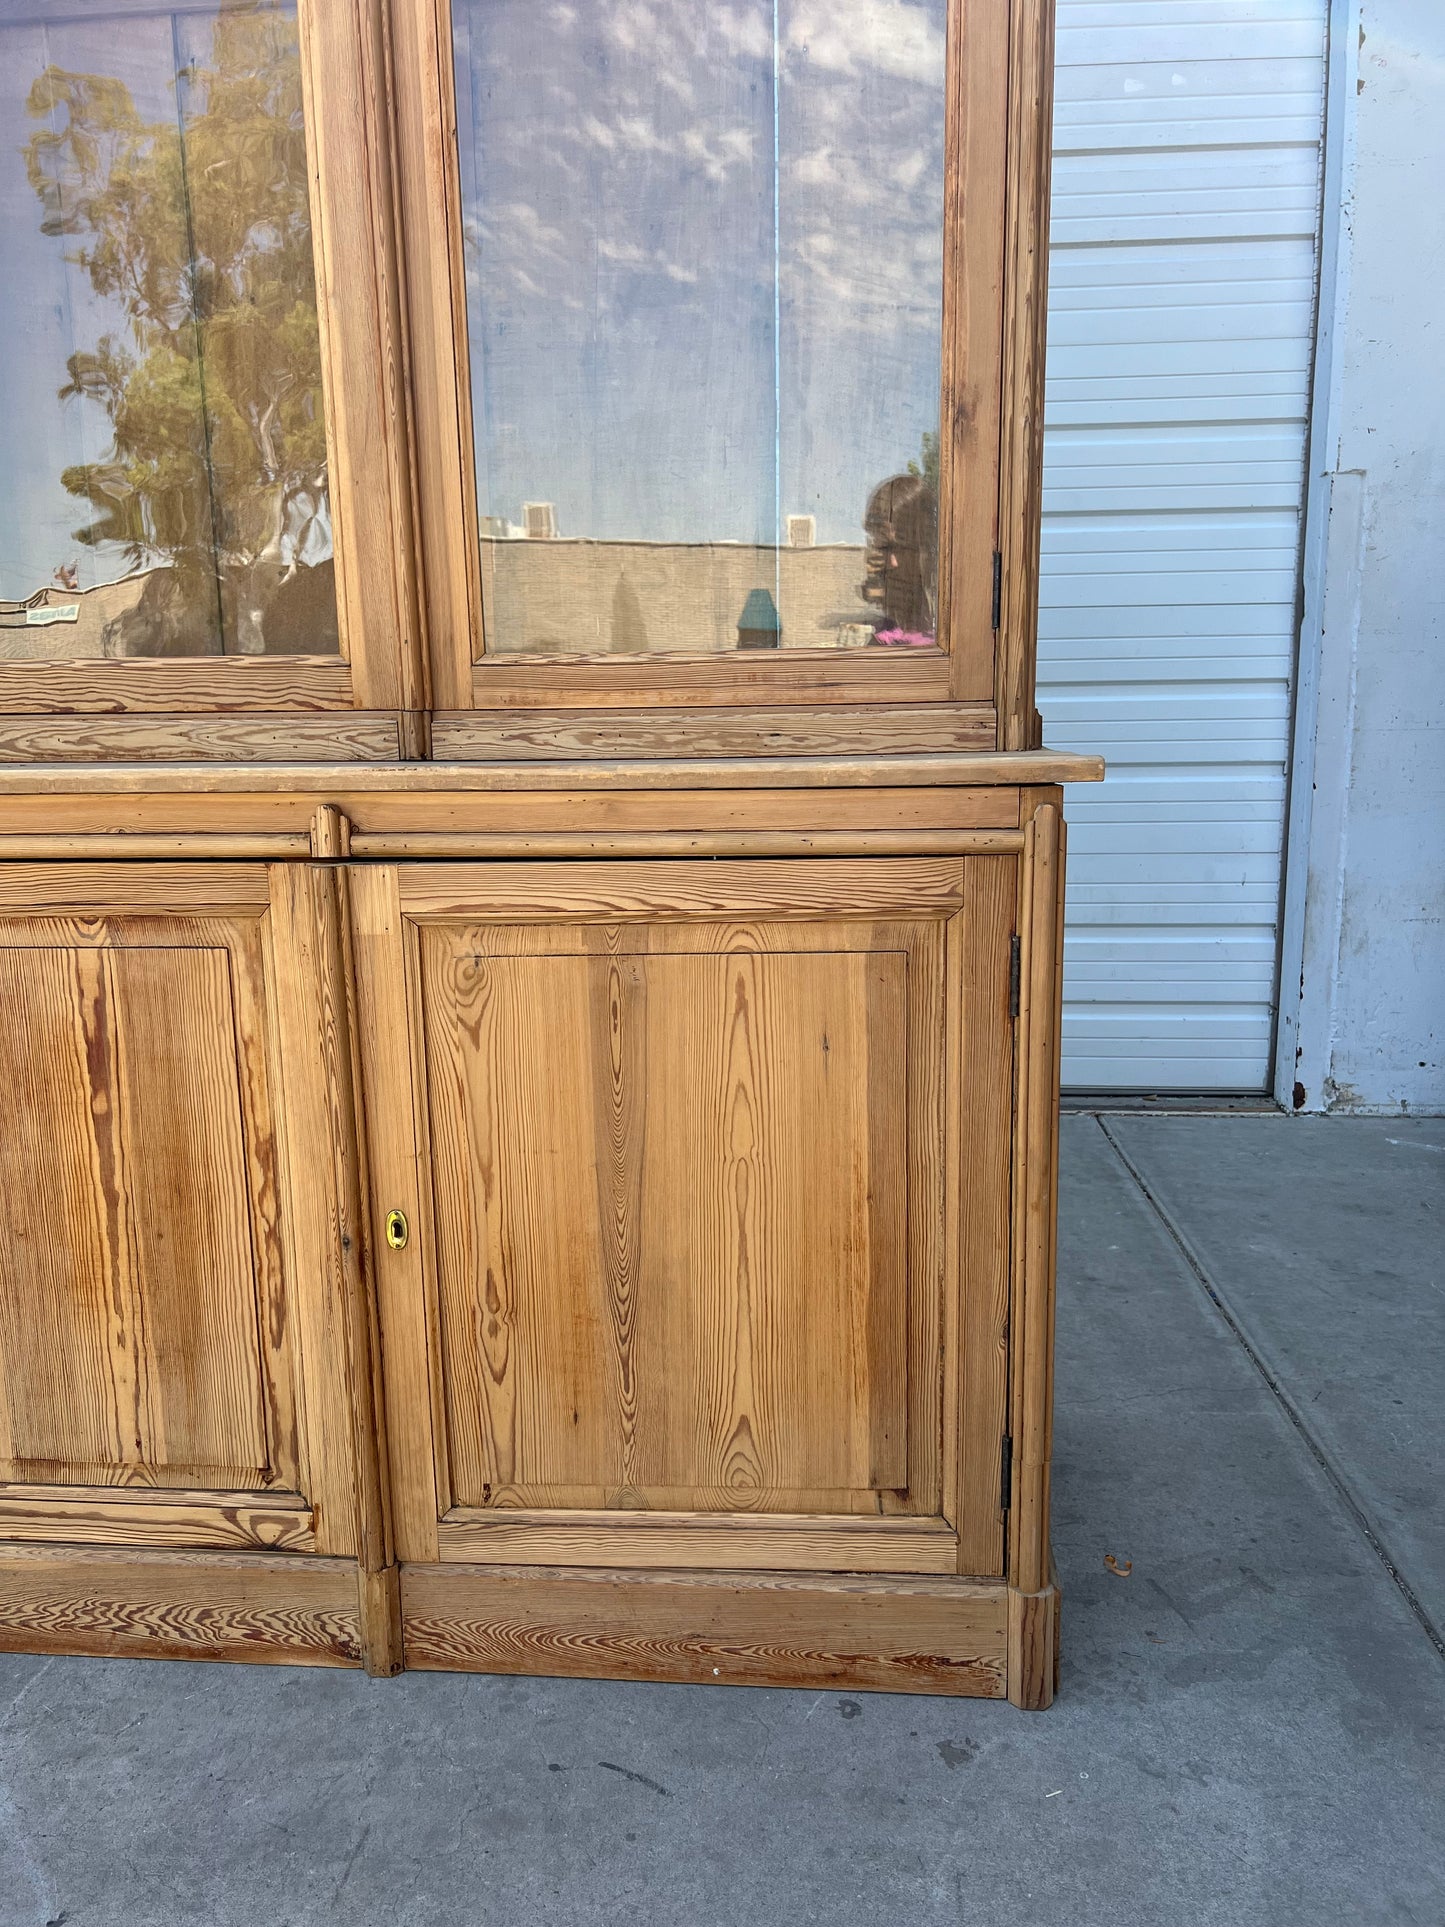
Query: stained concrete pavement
{"points": [[1249, 1732]]}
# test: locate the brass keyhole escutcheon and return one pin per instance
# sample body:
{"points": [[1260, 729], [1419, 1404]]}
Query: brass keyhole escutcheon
{"points": [[396, 1230]]}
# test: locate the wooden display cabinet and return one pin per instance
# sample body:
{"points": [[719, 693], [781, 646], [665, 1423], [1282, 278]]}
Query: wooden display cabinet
{"points": [[533, 1097]]}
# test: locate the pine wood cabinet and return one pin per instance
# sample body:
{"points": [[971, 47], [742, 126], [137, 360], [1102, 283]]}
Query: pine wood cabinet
{"points": [[530, 893]]}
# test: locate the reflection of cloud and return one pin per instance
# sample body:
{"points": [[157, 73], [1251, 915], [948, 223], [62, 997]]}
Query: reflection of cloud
{"points": [[878, 36], [743, 31]]}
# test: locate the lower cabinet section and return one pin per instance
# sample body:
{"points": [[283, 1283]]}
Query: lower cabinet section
{"points": [[619, 1267]]}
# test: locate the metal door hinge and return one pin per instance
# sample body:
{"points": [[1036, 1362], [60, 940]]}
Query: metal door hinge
{"points": [[997, 588], [1006, 1474], [1015, 973]]}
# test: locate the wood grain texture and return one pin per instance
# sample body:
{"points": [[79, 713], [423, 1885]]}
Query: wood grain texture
{"points": [[437, 326], [565, 735], [895, 1635], [394, 1082], [1025, 330], [210, 684], [680, 1304], [207, 823], [706, 682], [92, 892], [328, 1179], [136, 846], [157, 1517], [1033, 1648], [809, 889], [963, 770], [978, 1350], [341, 738], [556, 846], [174, 1605], [1035, 1196], [347, 81], [970, 401], [726, 1542], [140, 1245]]}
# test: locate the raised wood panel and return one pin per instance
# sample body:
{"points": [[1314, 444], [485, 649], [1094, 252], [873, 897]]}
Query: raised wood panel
{"points": [[642, 1283], [694, 1168], [129, 1228], [169, 1246]]}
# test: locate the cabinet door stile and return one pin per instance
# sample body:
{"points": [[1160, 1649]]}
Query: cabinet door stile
{"points": [[395, 1096]]}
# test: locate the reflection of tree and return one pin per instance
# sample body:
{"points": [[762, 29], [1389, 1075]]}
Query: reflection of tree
{"points": [[901, 525], [198, 229]]}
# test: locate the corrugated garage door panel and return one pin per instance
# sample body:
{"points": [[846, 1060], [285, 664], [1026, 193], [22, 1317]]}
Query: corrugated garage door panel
{"points": [[1186, 185]]}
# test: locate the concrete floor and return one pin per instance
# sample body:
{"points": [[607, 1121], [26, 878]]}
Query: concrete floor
{"points": [[1251, 1329]]}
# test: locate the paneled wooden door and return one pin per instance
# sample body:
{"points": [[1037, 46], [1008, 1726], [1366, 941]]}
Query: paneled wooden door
{"points": [[702, 1174], [172, 1340]]}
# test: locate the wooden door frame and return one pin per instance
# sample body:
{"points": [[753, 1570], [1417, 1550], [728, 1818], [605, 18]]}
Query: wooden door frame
{"points": [[346, 83], [998, 86], [972, 898]]}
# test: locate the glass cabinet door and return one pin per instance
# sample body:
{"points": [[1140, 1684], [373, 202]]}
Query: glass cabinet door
{"points": [[168, 487], [722, 331]]}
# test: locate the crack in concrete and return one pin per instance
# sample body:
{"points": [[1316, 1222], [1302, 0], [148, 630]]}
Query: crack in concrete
{"points": [[1317, 1452]]}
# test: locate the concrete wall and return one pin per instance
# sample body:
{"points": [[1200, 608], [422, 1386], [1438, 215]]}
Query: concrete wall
{"points": [[1362, 1014], [638, 598]]}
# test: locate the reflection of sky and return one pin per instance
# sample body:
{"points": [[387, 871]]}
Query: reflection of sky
{"points": [[673, 339], [48, 308]]}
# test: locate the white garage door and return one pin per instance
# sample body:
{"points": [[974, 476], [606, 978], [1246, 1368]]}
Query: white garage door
{"points": [[1187, 150]]}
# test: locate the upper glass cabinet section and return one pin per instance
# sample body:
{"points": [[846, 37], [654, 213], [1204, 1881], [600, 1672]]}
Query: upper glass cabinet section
{"points": [[163, 462], [703, 253]]}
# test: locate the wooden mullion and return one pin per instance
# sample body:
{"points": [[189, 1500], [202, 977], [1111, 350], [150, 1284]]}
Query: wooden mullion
{"points": [[1025, 318], [347, 80]]}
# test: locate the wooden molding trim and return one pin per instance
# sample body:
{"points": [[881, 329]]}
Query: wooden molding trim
{"points": [[1025, 312], [347, 82], [963, 770], [228, 1521], [890, 1635], [806, 1542], [335, 738], [175, 1605], [1035, 1195], [570, 735], [555, 846], [216, 685]]}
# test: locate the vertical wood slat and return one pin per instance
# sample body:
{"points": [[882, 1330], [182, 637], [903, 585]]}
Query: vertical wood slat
{"points": [[1025, 304], [347, 79], [970, 400], [1035, 1197], [437, 314], [399, 1173], [982, 1177], [346, 1441]]}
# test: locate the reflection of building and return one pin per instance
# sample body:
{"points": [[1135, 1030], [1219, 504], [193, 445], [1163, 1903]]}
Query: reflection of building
{"points": [[41, 628], [571, 597], [540, 521], [802, 531]]}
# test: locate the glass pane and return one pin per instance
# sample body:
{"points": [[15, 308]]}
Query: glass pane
{"points": [[163, 484], [703, 252]]}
